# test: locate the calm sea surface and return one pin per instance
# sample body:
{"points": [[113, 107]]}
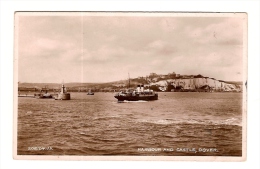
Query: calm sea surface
{"points": [[178, 124]]}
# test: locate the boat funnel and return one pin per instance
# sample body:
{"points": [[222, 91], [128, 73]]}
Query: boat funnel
{"points": [[138, 88], [142, 88]]}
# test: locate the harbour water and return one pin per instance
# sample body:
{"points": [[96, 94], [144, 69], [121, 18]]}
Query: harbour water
{"points": [[178, 124]]}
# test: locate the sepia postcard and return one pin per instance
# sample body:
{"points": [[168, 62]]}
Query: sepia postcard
{"points": [[161, 86]]}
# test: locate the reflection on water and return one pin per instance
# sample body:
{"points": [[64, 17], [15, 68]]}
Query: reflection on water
{"points": [[99, 125]]}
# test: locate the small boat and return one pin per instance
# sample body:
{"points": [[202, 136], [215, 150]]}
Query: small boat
{"points": [[90, 93], [138, 94], [45, 95]]}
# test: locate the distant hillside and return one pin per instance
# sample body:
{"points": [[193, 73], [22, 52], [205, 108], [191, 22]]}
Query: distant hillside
{"points": [[133, 82], [167, 82]]}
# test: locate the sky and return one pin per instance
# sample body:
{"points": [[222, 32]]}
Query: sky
{"points": [[82, 47]]}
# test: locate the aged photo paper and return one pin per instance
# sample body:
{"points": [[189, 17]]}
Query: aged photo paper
{"points": [[130, 86]]}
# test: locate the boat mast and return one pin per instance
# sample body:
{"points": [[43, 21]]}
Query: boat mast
{"points": [[129, 81]]}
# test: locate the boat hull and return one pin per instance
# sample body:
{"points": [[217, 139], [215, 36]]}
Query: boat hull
{"points": [[137, 98], [42, 96]]}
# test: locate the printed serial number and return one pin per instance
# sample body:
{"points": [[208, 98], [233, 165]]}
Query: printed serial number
{"points": [[39, 148]]}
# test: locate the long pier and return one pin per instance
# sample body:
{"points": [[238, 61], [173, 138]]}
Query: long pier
{"points": [[25, 95]]}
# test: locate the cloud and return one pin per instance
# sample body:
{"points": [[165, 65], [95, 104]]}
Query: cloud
{"points": [[227, 32], [106, 48]]}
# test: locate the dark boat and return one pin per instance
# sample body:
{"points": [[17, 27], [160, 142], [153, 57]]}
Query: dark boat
{"points": [[45, 95], [138, 94]]}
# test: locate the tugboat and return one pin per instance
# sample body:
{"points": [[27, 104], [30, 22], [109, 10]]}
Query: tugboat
{"points": [[90, 93], [45, 95], [138, 94], [63, 95]]}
